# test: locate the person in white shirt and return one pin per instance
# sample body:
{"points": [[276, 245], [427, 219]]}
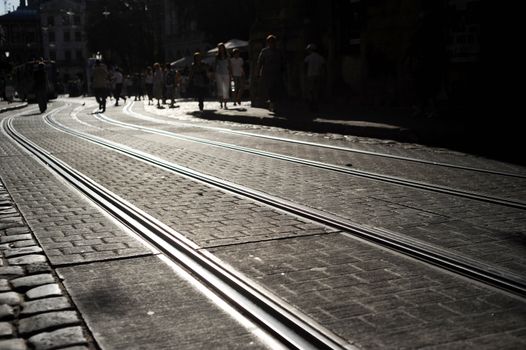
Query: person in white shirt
{"points": [[238, 75], [315, 68]]}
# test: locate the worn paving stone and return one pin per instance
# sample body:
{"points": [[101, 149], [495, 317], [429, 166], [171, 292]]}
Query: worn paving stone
{"points": [[44, 305], [11, 271], [22, 251], [13, 344], [45, 321], [47, 290], [10, 298], [4, 285], [6, 329], [59, 338], [14, 238], [38, 268], [27, 259], [32, 281], [25, 243], [17, 231], [6, 312]]}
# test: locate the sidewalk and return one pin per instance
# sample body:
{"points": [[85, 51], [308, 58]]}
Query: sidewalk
{"points": [[6, 106], [468, 132]]}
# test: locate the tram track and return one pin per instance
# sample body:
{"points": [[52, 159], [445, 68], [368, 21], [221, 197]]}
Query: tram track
{"points": [[422, 251], [325, 166], [128, 109], [291, 328]]}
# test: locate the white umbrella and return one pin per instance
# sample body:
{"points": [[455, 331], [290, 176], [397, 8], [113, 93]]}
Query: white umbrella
{"points": [[231, 44], [182, 62]]}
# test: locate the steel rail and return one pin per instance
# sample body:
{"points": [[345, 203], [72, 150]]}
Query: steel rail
{"points": [[289, 327], [360, 173], [128, 110], [475, 270]]}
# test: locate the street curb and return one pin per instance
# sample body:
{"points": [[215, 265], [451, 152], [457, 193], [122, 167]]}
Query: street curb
{"points": [[19, 106]]}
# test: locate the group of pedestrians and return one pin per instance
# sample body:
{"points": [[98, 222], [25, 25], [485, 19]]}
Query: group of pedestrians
{"points": [[155, 83], [164, 85], [270, 71], [225, 70]]}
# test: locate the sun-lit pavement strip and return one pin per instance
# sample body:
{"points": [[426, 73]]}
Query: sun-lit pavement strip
{"points": [[35, 310]]}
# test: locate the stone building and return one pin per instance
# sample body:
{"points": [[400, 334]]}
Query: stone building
{"points": [[22, 34], [64, 37]]}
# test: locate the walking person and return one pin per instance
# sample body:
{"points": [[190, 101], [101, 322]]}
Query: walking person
{"points": [[314, 67], [9, 89], [223, 74], [238, 76], [158, 82], [118, 80], [101, 83], [270, 66], [40, 86], [169, 85], [198, 80], [148, 83]]}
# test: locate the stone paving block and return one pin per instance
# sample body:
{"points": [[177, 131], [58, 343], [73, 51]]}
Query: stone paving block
{"points": [[44, 305], [32, 281], [13, 344], [22, 251], [47, 290], [46, 321], [6, 312], [6, 329], [14, 238], [11, 271], [10, 298], [27, 259], [17, 231], [4, 285], [25, 243], [58, 339], [38, 268]]}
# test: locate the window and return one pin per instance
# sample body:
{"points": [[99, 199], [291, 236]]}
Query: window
{"points": [[76, 20], [51, 37], [79, 55], [67, 55], [67, 36], [51, 21], [52, 55], [78, 36]]}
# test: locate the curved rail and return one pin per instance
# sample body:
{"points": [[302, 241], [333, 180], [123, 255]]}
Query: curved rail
{"points": [[365, 174], [422, 251], [291, 328], [128, 110]]}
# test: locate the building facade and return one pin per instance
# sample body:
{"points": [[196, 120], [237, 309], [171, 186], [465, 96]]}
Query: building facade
{"points": [[22, 34], [64, 37]]}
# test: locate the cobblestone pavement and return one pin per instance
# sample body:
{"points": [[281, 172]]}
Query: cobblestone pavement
{"points": [[372, 297], [465, 226], [35, 310]]}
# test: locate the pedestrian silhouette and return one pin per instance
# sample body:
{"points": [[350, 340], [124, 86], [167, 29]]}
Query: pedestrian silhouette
{"points": [[101, 84], [314, 67], [198, 80], [269, 68]]}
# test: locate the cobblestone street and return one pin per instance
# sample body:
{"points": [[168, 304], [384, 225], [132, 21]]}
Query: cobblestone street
{"points": [[376, 241]]}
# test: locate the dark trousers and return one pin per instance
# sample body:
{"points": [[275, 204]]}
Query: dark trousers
{"points": [[117, 93]]}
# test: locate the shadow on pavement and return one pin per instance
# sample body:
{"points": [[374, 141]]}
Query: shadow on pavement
{"points": [[473, 135]]}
